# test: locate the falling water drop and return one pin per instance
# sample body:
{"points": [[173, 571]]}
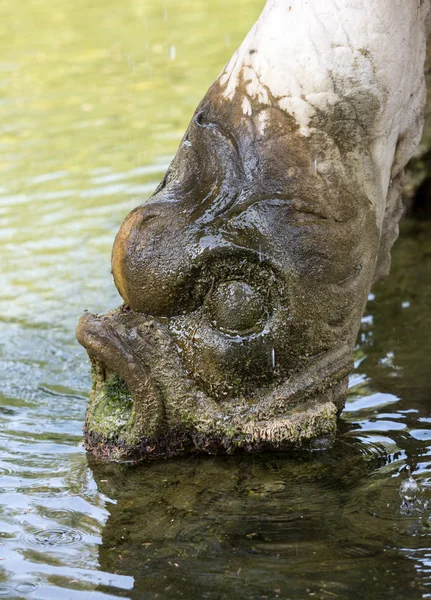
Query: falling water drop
{"points": [[409, 489], [273, 358]]}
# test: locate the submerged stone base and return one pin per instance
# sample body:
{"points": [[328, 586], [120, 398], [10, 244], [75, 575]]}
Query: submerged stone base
{"points": [[313, 429], [111, 431]]}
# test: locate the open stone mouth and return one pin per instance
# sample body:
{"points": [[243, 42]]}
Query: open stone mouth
{"points": [[144, 403]]}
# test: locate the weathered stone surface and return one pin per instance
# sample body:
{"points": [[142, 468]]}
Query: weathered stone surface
{"points": [[417, 187], [246, 274]]}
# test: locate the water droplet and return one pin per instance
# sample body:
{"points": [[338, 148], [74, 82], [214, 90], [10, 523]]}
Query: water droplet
{"points": [[409, 489], [273, 358], [59, 536], [25, 587], [172, 52]]}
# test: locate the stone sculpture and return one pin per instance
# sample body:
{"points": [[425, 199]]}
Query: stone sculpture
{"points": [[246, 274]]}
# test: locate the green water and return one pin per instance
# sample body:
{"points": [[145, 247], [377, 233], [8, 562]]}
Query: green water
{"points": [[94, 99]]}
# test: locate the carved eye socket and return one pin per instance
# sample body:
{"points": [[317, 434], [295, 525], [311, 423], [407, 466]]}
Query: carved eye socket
{"points": [[237, 308]]}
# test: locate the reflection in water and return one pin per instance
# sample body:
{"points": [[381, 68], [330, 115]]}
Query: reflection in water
{"points": [[95, 98], [246, 526]]}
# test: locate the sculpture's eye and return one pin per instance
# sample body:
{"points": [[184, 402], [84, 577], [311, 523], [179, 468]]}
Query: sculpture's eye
{"points": [[236, 308]]}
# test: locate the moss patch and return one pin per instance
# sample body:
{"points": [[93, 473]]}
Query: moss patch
{"points": [[110, 412]]}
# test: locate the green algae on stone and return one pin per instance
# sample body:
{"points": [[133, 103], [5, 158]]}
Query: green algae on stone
{"points": [[110, 411]]}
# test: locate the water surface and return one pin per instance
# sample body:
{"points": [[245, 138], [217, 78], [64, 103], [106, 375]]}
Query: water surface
{"points": [[94, 99]]}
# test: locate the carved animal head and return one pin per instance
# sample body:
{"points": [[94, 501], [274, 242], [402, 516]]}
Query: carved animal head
{"points": [[246, 274]]}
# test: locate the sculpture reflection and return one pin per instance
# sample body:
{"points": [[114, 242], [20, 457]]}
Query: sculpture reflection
{"points": [[247, 527]]}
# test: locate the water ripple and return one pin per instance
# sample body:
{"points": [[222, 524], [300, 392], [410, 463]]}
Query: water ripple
{"points": [[8, 469], [25, 587], [59, 536]]}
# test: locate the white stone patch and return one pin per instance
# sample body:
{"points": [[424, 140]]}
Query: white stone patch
{"points": [[246, 107], [301, 110], [322, 100], [310, 54], [262, 122]]}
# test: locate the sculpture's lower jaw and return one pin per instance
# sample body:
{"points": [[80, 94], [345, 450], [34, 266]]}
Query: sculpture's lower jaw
{"points": [[145, 406]]}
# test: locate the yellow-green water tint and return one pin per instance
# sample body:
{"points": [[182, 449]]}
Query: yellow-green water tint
{"points": [[95, 97]]}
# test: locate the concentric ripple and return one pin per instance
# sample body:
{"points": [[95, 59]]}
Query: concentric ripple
{"points": [[58, 536], [57, 514], [8, 469], [25, 587]]}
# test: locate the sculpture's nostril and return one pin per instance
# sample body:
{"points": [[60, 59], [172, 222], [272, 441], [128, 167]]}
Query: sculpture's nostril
{"points": [[237, 308]]}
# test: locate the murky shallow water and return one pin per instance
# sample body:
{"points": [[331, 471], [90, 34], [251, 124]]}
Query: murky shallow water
{"points": [[94, 99]]}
